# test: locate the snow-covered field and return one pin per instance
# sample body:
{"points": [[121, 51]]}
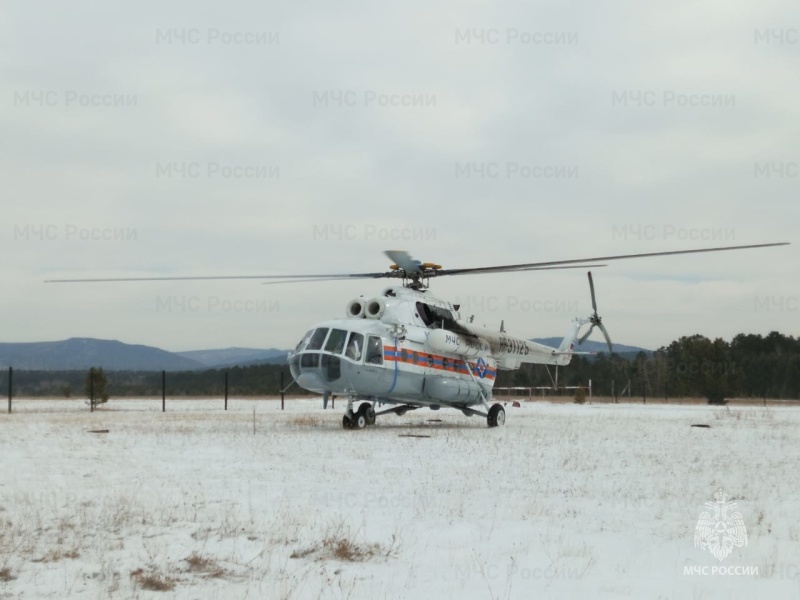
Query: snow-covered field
{"points": [[564, 501]]}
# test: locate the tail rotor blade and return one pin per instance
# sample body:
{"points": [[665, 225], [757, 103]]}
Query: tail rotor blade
{"points": [[591, 288], [586, 335], [605, 335], [595, 319]]}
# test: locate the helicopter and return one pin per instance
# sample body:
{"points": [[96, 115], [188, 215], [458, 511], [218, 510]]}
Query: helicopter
{"points": [[408, 349]]}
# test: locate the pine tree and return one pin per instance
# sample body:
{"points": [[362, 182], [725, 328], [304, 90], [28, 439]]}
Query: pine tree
{"points": [[95, 386]]}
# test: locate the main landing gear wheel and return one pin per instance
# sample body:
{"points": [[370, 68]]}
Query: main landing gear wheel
{"points": [[359, 420], [497, 415], [368, 411]]}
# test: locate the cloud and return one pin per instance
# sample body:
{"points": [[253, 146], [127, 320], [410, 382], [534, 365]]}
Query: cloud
{"points": [[237, 139]]}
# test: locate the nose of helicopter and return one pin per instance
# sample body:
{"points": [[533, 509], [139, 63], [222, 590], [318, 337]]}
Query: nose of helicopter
{"points": [[310, 380]]}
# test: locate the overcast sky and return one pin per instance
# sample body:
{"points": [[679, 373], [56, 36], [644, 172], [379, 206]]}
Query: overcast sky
{"points": [[194, 138]]}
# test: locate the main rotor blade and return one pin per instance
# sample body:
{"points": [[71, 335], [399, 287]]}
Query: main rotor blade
{"points": [[317, 279], [412, 267], [403, 260], [532, 269], [227, 277], [282, 278], [339, 278], [502, 268]]}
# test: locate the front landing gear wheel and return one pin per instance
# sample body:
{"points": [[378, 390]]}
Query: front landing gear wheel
{"points": [[497, 415], [368, 411], [347, 422]]}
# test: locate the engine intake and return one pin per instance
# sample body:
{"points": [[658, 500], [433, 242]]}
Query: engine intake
{"points": [[355, 309], [375, 308]]}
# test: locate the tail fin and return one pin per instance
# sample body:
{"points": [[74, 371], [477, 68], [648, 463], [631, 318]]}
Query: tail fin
{"points": [[569, 341]]}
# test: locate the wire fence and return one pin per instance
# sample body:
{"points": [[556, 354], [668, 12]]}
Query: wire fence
{"points": [[226, 396], [93, 395]]}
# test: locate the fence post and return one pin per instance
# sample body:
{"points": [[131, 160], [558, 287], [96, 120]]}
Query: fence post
{"points": [[10, 376], [91, 389], [226, 390], [281, 388], [163, 391]]}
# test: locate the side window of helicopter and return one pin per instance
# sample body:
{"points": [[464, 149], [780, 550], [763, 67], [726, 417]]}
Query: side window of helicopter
{"points": [[315, 343], [434, 316], [354, 346], [374, 351], [441, 317], [424, 313], [335, 343]]}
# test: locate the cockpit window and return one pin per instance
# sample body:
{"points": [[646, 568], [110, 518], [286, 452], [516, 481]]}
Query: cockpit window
{"points": [[355, 345], [304, 341], [374, 351], [315, 343], [335, 341], [310, 361]]}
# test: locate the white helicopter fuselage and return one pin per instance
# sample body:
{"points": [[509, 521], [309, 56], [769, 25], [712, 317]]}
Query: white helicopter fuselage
{"points": [[409, 347]]}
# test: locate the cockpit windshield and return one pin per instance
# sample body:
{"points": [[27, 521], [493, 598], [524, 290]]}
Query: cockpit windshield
{"points": [[335, 343], [340, 342], [302, 343], [315, 343]]}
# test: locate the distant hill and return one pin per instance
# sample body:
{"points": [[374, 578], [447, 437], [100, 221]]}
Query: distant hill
{"points": [[112, 355], [84, 353], [229, 357], [595, 346]]}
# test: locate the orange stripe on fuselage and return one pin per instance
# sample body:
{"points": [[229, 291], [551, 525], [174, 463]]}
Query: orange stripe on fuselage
{"points": [[434, 361]]}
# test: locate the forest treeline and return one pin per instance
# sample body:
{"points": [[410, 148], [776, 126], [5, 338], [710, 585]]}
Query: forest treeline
{"points": [[749, 365]]}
